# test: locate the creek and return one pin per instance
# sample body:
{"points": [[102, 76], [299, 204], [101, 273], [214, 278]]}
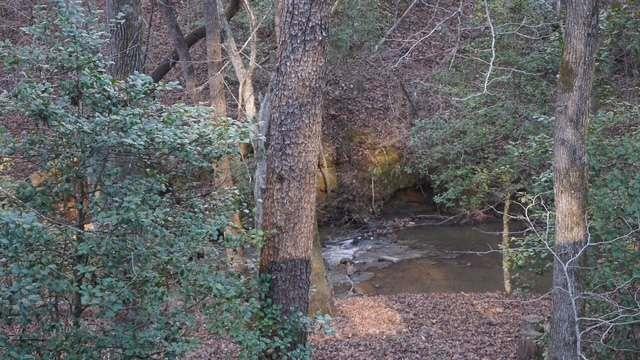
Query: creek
{"points": [[405, 256]]}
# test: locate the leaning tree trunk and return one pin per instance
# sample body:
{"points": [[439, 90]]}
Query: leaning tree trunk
{"points": [[293, 145], [125, 27], [246, 94], [191, 39], [506, 245], [178, 40], [570, 173]]}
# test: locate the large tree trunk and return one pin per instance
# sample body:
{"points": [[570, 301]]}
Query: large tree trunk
{"points": [[570, 173], [178, 40], [293, 145], [126, 27]]}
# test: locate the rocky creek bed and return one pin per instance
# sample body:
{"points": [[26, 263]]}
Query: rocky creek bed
{"points": [[406, 256]]}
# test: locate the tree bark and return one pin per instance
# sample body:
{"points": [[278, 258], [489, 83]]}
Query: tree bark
{"points": [[293, 145], [214, 58], [506, 245], [260, 155], [126, 29], [235, 256], [196, 35], [178, 40], [570, 173]]}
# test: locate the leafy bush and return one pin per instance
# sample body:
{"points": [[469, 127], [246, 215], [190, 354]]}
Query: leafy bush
{"points": [[485, 146], [109, 249], [614, 264], [620, 53], [500, 142]]}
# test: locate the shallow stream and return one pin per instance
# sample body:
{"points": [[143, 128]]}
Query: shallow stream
{"points": [[418, 259]]}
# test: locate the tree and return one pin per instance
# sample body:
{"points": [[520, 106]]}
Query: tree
{"points": [[101, 258], [292, 149], [214, 57], [217, 97], [246, 95], [570, 173], [194, 36], [125, 26], [178, 40], [506, 245]]}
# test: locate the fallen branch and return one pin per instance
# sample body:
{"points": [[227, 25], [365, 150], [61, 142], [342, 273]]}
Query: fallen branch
{"points": [[196, 35]]}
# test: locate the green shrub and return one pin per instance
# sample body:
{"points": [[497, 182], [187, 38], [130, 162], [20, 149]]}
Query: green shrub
{"points": [[110, 249]]}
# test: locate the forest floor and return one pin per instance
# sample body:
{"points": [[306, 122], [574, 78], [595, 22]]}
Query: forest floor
{"points": [[417, 326], [427, 326]]}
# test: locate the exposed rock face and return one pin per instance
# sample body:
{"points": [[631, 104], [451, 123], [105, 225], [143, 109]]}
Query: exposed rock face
{"points": [[359, 175], [372, 100], [366, 137]]}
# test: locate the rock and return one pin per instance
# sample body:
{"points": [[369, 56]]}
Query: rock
{"points": [[388, 258], [490, 322], [321, 292]]}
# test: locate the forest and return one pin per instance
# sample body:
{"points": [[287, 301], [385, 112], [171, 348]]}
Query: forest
{"points": [[320, 179]]}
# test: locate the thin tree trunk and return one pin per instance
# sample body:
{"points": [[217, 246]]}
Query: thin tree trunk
{"points": [[246, 93], [260, 155], [570, 173], [168, 9], [506, 245], [277, 19], [196, 35], [293, 145], [214, 58], [126, 29], [235, 256]]}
